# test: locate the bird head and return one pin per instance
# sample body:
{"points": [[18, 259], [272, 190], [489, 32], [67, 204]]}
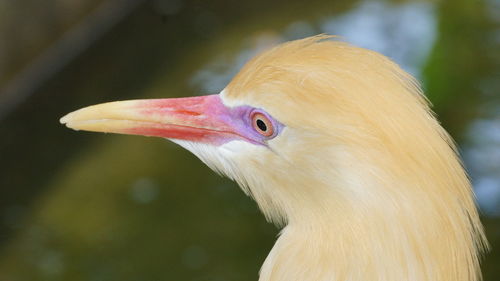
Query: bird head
{"points": [[304, 128]]}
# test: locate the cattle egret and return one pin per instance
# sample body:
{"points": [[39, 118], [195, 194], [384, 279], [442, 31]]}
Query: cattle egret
{"points": [[338, 146]]}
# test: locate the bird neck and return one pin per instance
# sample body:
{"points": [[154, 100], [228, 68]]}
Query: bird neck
{"points": [[397, 237]]}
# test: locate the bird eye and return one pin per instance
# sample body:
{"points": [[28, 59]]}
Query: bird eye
{"points": [[262, 124]]}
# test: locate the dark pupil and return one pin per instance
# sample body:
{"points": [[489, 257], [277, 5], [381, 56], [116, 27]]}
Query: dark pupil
{"points": [[261, 125]]}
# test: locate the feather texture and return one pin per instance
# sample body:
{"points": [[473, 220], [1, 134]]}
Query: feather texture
{"points": [[365, 181]]}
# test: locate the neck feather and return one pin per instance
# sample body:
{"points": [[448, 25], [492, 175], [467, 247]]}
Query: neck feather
{"points": [[415, 230]]}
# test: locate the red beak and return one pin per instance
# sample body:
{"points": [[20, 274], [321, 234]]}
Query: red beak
{"points": [[201, 119]]}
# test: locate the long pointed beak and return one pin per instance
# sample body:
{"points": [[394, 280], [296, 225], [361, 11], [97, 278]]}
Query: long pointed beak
{"points": [[201, 119]]}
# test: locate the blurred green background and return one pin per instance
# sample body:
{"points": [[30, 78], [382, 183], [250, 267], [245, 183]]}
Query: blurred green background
{"points": [[83, 206]]}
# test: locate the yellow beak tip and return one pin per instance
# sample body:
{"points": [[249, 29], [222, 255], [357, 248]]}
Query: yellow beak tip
{"points": [[69, 121], [63, 120]]}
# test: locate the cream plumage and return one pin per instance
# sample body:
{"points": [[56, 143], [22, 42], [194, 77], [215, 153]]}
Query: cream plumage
{"points": [[365, 182]]}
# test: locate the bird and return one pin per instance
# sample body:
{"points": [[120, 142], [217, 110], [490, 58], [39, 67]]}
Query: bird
{"points": [[340, 148]]}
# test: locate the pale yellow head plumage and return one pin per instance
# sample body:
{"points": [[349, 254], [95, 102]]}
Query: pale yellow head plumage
{"points": [[360, 173]]}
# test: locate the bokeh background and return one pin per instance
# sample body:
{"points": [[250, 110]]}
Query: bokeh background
{"points": [[83, 206]]}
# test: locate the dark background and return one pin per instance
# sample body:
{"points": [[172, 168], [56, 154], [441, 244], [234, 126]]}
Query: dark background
{"points": [[83, 206]]}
